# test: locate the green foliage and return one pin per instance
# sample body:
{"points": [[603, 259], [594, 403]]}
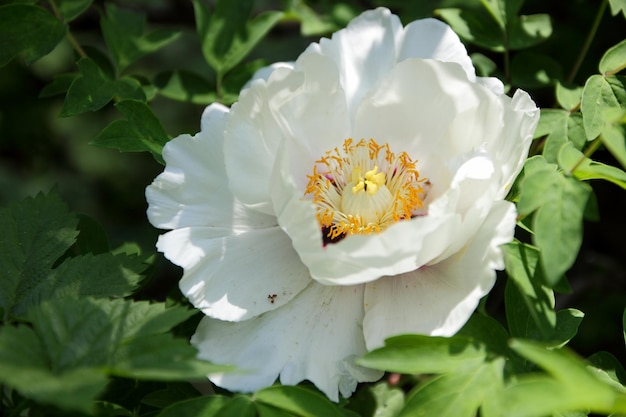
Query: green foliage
{"points": [[83, 332], [123, 32], [141, 131], [32, 32]]}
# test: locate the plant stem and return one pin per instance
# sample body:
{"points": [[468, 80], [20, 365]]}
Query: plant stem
{"points": [[588, 152], [81, 52], [587, 44]]}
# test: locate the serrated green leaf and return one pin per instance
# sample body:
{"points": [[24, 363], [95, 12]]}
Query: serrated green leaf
{"points": [[297, 400], [423, 354], [32, 32], [458, 394], [527, 31], [93, 89], [588, 169], [614, 60], [141, 131], [36, 232], [532, 70], [185, 86], [207, 406], [568, 96], [71, 9], [23, 366], [123, 32], [227, 35], [474, 27], [618, 6], [92, 237], [599, 94]]}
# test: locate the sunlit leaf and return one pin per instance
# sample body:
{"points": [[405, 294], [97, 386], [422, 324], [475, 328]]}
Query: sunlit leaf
{"points": [[599, 94], [123, 32], [614, 60], [298, 401], [614, 138], [474, 27], [588, 169], [527, 31], [458, 394], [618, 6], [28, 30], [71, 9], [227, 35], [423, 354], [568, 96], [206, 406]]}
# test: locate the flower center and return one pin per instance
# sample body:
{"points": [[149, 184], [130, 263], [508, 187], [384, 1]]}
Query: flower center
{"points": [[364, 188]]}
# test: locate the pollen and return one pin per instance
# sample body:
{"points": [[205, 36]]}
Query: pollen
{"points": [[364, 188]]}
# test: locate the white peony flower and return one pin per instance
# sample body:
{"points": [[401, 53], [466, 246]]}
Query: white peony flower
{"points": [[353, 195]]}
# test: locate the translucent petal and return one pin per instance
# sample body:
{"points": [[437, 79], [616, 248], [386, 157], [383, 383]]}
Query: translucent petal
{"points": [[316, 336]]}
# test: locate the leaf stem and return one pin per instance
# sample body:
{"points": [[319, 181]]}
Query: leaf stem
{"points": [[81, 52], [588, 152], [587, 44]]}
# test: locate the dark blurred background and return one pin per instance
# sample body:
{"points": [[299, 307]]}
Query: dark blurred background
{"points": [[39, 150]]}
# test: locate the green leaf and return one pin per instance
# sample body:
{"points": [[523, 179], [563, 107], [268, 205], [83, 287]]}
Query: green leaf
{"points": [[573, 385], [239, 406], [599, 94], [175, 392], [389, 400], [503, 11], [532, 70], [568, 96], [311, 23], [141, 131], [297, 400], [458, 394], [59, 85], [614, 60], [123, 32], [71, 9], [23, 366], [203, 406], [92, 237], [560, 203], [474, 27], [563, 128], [618, 6], [32, 32], [527, 31], [614, 138], [624, 325], [37, 232], [93, 89], [587, 169], [485, 67], [610, 365], [418, 354], [529, 305], [185, 86], [227, 36]]}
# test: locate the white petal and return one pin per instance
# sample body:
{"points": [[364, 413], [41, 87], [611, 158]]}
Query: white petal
{"points": [[437, 300], [252, 137], [316, 336], [193, 189], [433, 39], [235, 277], [364, 51], [265, 72]]}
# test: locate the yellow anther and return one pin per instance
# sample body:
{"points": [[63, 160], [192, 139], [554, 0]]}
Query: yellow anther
{"points": [[358, 187]]}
